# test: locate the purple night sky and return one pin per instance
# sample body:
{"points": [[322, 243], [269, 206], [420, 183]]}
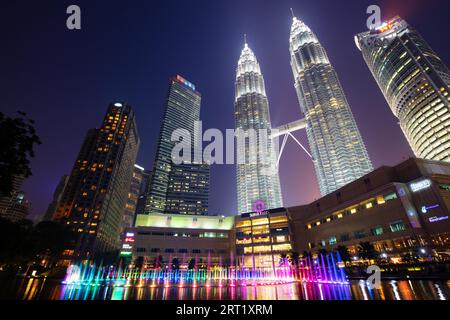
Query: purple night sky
{"points": [[127, 50]]}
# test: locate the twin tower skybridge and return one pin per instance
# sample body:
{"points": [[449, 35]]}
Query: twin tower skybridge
{"points": [[286, 131]]}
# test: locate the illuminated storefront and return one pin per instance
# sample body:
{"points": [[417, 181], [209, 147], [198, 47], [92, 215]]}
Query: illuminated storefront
{"points": [[262, 239], [402, 211], [158, 239]]}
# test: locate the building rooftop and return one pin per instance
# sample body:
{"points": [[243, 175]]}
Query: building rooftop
{"points": [[185, 221]]}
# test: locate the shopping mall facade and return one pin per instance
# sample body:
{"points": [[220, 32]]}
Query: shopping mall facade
{"points": [[401, 209]]}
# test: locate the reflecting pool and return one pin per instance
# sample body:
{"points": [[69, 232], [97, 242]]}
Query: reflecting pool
{"points": [[42, 289]]}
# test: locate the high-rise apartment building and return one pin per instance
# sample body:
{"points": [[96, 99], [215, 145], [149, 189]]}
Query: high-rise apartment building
{"points": [[257, 176], [15, 207], [94, 199], [415, 83], [338, 150], [57, 196], [133, 197], [179, 188], [143, 192]]}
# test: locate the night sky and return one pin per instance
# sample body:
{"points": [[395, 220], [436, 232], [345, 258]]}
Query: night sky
{"points": [[127, 50]]}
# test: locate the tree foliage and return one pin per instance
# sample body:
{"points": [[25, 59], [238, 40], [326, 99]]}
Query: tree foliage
{"points": [[17, 140], [22, 243], [344, 253], [367, 251]]}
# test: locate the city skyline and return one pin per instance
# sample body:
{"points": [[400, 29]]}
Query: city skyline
{"points": [[301, 164]]}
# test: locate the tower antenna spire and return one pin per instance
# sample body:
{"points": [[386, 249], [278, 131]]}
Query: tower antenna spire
{"points": [[245, 38], [292, 11]]}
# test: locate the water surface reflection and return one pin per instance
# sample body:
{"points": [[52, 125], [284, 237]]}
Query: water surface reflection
{"points": [[40, 289]]}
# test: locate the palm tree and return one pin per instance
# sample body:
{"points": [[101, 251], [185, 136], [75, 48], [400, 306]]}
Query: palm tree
{"points": [[294, 258]]}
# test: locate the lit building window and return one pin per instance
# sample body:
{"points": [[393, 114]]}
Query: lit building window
{"points": [[259, 222], [282, 247], [380, 200], [377, 231], [397, 226], [332, 241]]}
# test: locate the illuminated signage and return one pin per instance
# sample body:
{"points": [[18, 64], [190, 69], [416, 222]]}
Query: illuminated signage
{"points": [[130, 234], [259, 208], [117, 104], [438, 219], [127, 246], [125, 253], [421, 185], [425, 209], [185, 82], [256, 214], [385, 27]]}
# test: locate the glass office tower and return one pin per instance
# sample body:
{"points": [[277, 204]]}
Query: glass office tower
{"points": [[339, 153], [178, 188], [415, 83], [257, 180]]}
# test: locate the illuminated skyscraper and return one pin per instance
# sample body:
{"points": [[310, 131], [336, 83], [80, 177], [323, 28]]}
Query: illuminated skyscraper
{"points": [[94, 198], [143, 192], [340, 156], [256, 180], [415, 83], [178, 188], [128, 217], [15, 207], [57, 196]]}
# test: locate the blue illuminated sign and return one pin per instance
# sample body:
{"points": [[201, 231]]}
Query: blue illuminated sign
{"points": [[425, 209]]}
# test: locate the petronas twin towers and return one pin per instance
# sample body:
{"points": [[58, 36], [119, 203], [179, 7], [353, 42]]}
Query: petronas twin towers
{"points": [[258, 180], [338, 151]]}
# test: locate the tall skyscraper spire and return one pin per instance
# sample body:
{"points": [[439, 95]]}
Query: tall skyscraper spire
{"points": [[340, 156], [415, 83], [256, 181]]}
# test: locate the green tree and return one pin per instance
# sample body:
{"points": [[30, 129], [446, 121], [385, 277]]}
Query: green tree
{"points": [[23, 244], [344, 253], [191, 264], [139, 263], [17, 140], [175, 264], [15, 245], [367, 251], [294, 258], [52, 238]]}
